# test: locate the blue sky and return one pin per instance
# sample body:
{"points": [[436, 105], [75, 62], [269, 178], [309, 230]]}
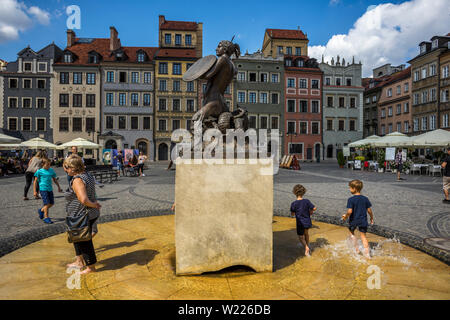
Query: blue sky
{"points": [[137, 22]]}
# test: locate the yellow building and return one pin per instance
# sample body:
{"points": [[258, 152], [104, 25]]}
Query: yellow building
{"points": [[289, 42], [176, 101], [3, 64]]}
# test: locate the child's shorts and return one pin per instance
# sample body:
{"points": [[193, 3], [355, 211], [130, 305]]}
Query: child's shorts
{"points": [[300, 228], [361, 229], [47, 197]]}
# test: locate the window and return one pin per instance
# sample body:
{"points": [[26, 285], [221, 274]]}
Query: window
{"points": [[252, 122], [352, 125], [406, 87], [289, 50], [291, 127], [252, 77], [40, 103], [291, 83], [288, 63], [27, 66], [383, 129], [67, 58], [390, 128], [176, 85], [341, 102], [42, 67], [327, 81], [12, 124], [295, 148], [263, 97], [162, 125], [13, 84], [188, 125], [300, 63], [275, 78], [383, 113], [263, 122], [162, 85], [315, 106], [252, 97], [134, 123], [264, 77], [352, 102], [26, 103], [315, 84], [338, 81], [275, 123], [77, 100], [41, 84], [109, 99], [341, 125], [90, 78], [77, 78], [176, 105], [432, 70], [134, 99], [330, 102], [90, 124], [303, 106], [190, 105], [40, 124], [163, 68], [424, 123], [424, 73], [77, 124], [190, 86], [122, 77], [433, 94], [445, 122], [303, 127], [178, 39], [291, 106], [445, 95], [399, 127], [416, 99], [330, 125], [64, 124], [122, 99], [368, 100], [147, 99], [433, 122], [349, 81], [298, 51], [147, 77], [162, 105], [445, 72], [280, 49], [90, 100], [188, 39], [13, 103], [399, 90], [406, 126], [146, 123], [416, 76], [406, 107], [141, 57], [416, 124], [26, 124], [135, 77], [399, 109], [274, 98], [176, 68], [109, 122], [315, 127], [241, 96], [27, 83], [63, 100], [389, 92], [389, 111], [374, 98], [241, 76], [167, 38], [424, 96], [303, 83], [122, 122]]}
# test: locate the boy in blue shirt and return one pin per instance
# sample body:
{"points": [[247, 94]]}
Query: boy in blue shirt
{"points": [[44, 177], [302, 209], [357, 208]]}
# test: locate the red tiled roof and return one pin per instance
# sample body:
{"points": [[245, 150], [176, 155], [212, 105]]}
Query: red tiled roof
{"points": [[177, 53], [286, 34], [398, 76], [179, 25]]}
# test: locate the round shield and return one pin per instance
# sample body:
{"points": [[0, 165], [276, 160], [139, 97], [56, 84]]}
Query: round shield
{"points": [[199, 68]]}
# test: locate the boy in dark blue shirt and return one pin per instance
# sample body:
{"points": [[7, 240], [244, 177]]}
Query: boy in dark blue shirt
{"points": [[357, 208], [302, 209]]}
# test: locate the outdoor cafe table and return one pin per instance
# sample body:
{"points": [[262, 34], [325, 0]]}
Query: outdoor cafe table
{"points": [[421, 166]]}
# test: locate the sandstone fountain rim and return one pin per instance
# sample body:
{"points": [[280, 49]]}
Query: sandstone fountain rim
{"points": [[20, 240]]}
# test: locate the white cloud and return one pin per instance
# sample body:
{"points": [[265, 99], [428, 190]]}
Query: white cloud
{"points": [[388, 33], [16, 17], [334, 2]]}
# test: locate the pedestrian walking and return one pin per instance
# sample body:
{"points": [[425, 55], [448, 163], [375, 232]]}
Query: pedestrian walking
{"points": [[141, 162], [446, 176], [34, 165], [399, 163], [81, 200]]}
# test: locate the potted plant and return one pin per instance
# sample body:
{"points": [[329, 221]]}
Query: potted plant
{"points": [[380, 160], [341, 159]]}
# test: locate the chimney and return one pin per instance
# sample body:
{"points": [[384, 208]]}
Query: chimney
{"points": [[70, 38], [114, 42], [162, 19]]}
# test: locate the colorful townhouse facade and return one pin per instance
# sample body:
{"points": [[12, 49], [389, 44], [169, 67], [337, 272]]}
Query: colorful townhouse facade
{"points": [[342, 108], [176, 101], [259, 88], [444, 87], [26, 99]]}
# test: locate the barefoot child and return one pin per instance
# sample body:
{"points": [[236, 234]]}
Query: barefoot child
{"points": [[302, 209], [44, 177], [358, 206]]}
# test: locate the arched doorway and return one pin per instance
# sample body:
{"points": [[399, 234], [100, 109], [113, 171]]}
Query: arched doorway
{"points": [[142, 145], [330, 151], [111, 144], [163, 152]]}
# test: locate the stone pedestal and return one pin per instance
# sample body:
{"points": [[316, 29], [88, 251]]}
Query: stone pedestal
{"points": [[223, 217]]}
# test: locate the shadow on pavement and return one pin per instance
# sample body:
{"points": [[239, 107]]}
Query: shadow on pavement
{"points": [[140, 257], [123, 244]]}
